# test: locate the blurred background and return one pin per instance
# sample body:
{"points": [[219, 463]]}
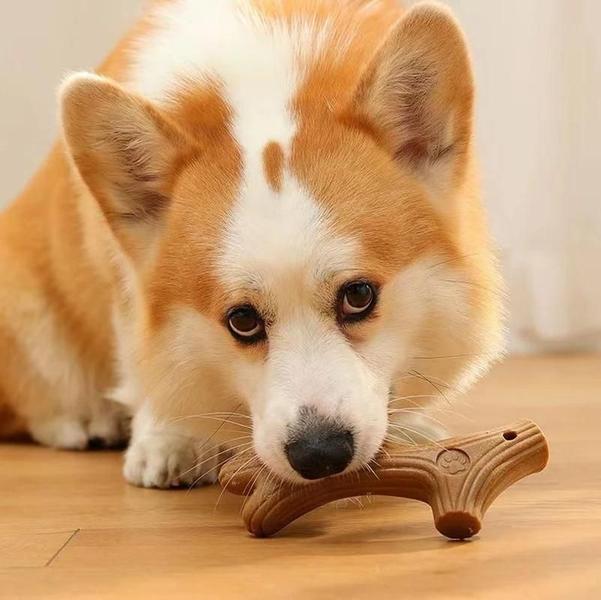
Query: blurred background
{"points": [[538, 69]]}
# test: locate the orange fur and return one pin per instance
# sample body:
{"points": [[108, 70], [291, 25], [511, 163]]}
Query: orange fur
{"points": [[273, 164]]}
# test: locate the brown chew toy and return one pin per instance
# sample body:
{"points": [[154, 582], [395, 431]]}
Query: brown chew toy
{"points": [[458, 477]]}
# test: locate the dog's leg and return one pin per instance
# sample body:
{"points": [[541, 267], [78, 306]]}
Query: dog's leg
{"points": [[163, 455], [54, 389], [101, 425], [63, 431], [62, 411]]}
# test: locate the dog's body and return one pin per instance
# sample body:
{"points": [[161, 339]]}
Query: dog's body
{"points": [[265, 207]]}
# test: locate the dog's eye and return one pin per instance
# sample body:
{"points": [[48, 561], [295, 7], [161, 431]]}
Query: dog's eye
{"points": [[246, 325], [357, 300]]}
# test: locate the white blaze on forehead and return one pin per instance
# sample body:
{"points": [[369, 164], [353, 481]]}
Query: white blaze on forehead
{"points": [[272, 235]]}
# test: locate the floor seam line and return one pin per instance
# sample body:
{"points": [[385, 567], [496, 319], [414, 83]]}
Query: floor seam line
{"points": [[55, 555]]}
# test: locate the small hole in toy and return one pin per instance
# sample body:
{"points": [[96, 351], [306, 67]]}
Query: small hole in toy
{"points": [[510, 435]]}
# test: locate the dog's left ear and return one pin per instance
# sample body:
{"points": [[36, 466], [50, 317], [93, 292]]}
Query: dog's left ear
{"points": [[126, 151], [417, 95]]}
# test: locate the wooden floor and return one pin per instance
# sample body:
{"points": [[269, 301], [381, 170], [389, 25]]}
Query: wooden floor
{"points": [[71, 528]]}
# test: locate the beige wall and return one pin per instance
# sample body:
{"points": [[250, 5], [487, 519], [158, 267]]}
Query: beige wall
{"points": [[41, 41], [538, 68]]}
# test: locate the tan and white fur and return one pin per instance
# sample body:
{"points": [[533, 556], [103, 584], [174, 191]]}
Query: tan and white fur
{"points": [[250, 152]]}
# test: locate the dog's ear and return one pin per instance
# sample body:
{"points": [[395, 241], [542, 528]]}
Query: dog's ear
{"points": [[125, 150], [417, 94]]}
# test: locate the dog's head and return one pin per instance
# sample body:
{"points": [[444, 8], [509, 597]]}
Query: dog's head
{"points": [[301, 261]]}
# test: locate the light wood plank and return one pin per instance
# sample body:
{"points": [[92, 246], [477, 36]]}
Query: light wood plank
{"points": [[23, 549]]}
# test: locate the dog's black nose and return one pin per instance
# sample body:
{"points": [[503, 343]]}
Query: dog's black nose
{"points": [[321, 451]]}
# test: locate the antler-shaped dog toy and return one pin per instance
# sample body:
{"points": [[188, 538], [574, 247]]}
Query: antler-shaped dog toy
{"points": [[459, 478]]}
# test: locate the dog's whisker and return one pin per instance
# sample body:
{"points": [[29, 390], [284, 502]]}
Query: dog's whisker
{"points": [[429, 403], [210, 439], [448, 409], [452, 260], [268, 480], [370, 469], [227, 483], [404, 429], [215, 468], [225, 412], [421, 412], [414, 373], [197, 464], [210, 418], [384, 451], [420, 408], [412, 412], [281, 485], [415, 396], [251, 484], [357, 502], [407, 439], [447, 357], [222, 449], [474, 284], [228, 450], [218, 415], [223, 462], [437, 387]]}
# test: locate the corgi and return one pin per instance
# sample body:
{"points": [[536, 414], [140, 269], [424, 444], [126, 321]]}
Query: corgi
{"points": [[261, 229]]}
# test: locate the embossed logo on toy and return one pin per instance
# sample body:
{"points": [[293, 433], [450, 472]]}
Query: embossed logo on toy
{"points": [[453, 461]]}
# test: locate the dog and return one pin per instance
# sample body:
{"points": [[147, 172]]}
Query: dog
{"points": [[262, 223]]}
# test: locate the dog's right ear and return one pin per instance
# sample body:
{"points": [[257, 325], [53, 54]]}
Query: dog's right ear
{"points": [[417, 95], [125, 150]]}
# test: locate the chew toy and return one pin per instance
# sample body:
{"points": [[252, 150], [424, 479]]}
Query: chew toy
{"points": [[459, 478]]}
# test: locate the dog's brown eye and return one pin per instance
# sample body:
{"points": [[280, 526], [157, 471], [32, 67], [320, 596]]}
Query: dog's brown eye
{"points": [[357, 300], [246, 325]]}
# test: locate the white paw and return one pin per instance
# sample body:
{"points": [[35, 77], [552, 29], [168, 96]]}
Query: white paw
{"points": [[64, 432], [165, 460], [106, 426]]}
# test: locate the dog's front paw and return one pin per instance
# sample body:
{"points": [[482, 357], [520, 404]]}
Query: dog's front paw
{"points": [[65, 432], [106, 425], [166, 460]]}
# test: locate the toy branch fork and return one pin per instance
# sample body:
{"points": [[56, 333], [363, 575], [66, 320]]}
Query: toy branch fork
{"points": [[459, 478]]}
